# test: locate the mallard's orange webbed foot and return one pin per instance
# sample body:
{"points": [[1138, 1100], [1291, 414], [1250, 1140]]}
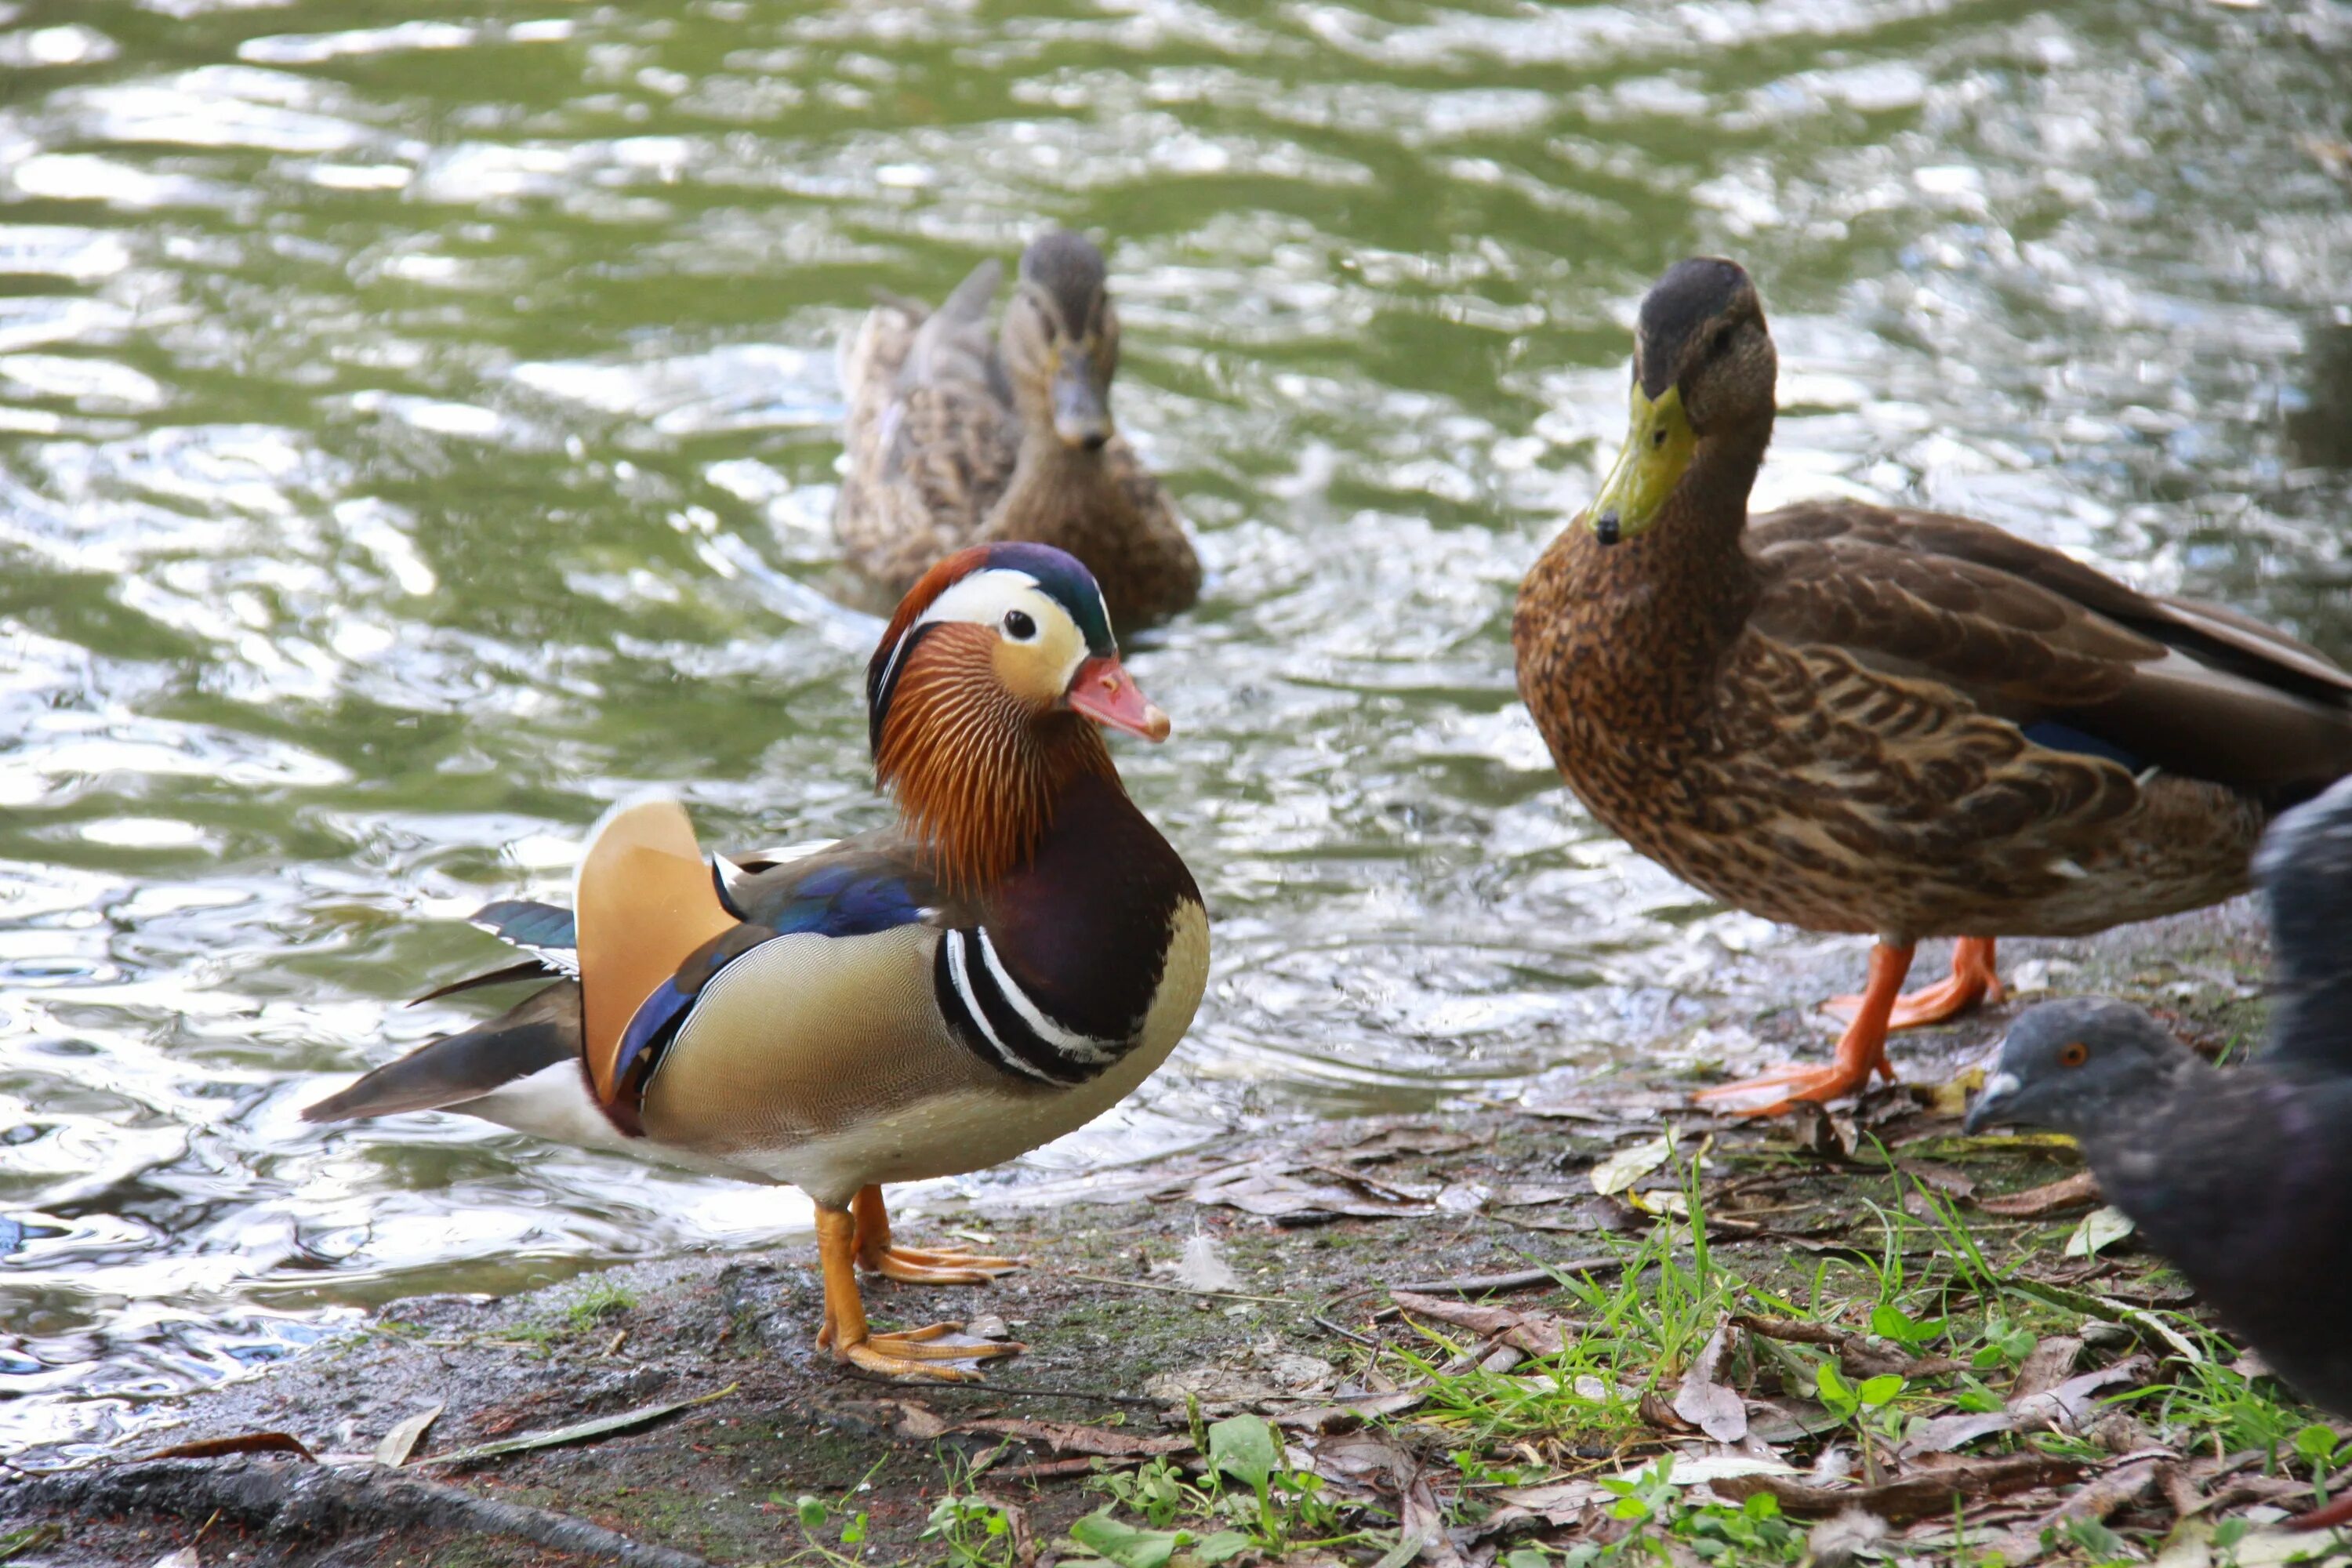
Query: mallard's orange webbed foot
{"points": [[1860, 1051], [1971, 982], [916, 1353], [878, 1254]]}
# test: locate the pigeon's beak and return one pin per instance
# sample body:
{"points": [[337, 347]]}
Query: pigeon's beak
{"points": [[1992, 1103]]}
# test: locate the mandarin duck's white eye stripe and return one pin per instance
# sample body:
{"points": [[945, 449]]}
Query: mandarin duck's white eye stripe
{"points": [[984, 597]]}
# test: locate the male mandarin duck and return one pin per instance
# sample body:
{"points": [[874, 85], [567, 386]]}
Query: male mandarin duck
{"points": [[955, 440], [1007, 963], [1855, 718]]}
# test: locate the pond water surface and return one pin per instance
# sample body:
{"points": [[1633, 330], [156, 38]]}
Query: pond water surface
{"points": [[418, 430]]}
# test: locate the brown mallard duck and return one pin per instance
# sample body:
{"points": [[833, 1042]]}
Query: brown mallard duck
{"points": [[955, 440], [1855, 717]]}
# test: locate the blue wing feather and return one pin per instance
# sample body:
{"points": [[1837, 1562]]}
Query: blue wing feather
{"points": [[845, 899]]}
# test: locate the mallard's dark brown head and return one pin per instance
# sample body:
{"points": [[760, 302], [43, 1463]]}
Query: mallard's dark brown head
{"points": [[1704, 370], [1061, 341]]}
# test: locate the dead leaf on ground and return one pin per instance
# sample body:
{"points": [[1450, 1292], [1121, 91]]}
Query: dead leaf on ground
{"points": [[2101, 1228], [1076, 1438], [1366, 1462], [242, 1443], [1928, 1493], [578, 1431], [2048, 1364], [2073, 1406], [401, 1441], [1620, 1170], [1536, 1332], [1286, 1199], [2081, 1187], [1821, 1132], [1706, 1404], [1389, 1142]]}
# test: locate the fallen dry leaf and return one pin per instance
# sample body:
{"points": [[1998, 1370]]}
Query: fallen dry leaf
{"points": [[1390, 1141], [578, 1431], [1706, 1404], [1278, 1196], [401, 1441], [2102, 1227], [1920, 1496], [1626, 1166], [242, 1443], [1076, 1438], [2081, 1187], [1535, 1333]]}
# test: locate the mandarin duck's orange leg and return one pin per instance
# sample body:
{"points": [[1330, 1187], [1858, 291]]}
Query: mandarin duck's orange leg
{"points": [[910, 1354], [1972, 981], [916, 1265], [1860, 1051]]}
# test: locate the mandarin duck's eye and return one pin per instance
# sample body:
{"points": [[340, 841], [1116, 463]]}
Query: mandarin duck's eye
{"points": [[1020, 625], [2074, 1054]]}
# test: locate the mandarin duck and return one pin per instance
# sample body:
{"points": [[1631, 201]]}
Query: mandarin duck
{"points": [[955, 440], [2242, 1178], [1005, 963], [1867, 719]]}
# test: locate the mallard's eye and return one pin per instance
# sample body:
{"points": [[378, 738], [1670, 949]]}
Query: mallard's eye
{"points": [[2074, 1054], [1720, 344], [1020, 625]]}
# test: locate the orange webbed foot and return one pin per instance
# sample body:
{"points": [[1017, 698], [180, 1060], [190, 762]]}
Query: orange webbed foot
{"points": [[916, 1354], [929, 1266], [878, 1254], [1771, 1093], [1971, 982], [1860, 1051]]}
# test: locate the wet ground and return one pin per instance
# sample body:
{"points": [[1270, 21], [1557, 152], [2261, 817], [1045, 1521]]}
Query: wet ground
{"points": [[1317, 1224], [417, 429]]}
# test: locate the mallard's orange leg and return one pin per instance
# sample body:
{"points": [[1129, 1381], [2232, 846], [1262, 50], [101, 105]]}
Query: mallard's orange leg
{"points": [[910, 1354], [916, 1265], [1861, 1050], [1972, 981], [2335, 1513]]}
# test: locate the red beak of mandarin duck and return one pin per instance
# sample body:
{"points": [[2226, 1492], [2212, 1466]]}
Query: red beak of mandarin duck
{"points": [[1105, 693]]}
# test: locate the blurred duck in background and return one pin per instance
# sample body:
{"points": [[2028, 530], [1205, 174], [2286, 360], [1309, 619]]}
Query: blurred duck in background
{"points": [[1004, 966], [1867, 718], [955, 439]]}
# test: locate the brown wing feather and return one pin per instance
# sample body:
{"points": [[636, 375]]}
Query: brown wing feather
{"points": [[930, 438], [2031, 635]]}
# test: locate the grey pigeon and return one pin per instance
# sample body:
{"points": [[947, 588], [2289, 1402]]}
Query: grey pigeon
{"points": [[2241, 1177]]}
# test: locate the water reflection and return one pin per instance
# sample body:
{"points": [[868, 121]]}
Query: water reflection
{"points": [[414, 435]]}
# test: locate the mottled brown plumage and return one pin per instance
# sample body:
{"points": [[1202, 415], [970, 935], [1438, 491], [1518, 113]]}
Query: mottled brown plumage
{"points": [[955, 440], [1862, 719]]}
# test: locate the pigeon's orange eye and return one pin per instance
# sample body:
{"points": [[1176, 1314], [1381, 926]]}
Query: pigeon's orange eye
{"points": [[2074, 1054]]}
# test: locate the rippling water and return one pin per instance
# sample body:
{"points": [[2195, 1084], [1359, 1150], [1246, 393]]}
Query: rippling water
{"points": [[416, 433]]}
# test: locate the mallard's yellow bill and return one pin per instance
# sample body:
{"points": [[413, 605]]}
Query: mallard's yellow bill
{"points": [[1657, 449]]}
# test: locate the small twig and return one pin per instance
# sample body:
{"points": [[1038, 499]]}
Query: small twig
{"points": [[1522, 1279], [1329, 1326]]}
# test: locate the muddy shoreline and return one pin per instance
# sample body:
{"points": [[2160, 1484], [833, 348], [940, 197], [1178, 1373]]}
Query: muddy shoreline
{"points": [[1316, 1227]]}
